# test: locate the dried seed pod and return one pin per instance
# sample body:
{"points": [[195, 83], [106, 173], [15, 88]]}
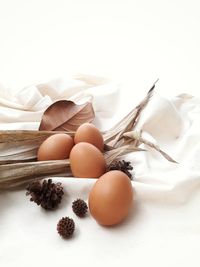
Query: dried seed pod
{"points": [[66, 227], [122, 165], [79, 207]]}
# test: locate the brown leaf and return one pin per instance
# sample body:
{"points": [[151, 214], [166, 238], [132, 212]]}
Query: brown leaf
{"points": [[65, 115]]}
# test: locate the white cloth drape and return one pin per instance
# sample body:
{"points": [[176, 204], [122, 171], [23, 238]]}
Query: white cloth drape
{"points": [[163, 228]]}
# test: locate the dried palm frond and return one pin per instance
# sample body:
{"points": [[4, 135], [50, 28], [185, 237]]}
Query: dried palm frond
{"points": [[18, 150]]}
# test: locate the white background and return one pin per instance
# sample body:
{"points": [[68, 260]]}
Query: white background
{"points": [[132, 41]]}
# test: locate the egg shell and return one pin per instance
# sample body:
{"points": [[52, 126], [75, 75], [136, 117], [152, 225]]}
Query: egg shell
{"points": [[110, 198], [55, 147], [87, 132], [86, 161]]}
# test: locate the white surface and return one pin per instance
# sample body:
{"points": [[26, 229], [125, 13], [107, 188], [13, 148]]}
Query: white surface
{"points": [[163, 226], [135, 42]]}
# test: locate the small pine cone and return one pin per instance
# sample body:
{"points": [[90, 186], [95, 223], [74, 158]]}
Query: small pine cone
{"points": [[66, 227], [124, 166], [46, 194], [79, 207]]}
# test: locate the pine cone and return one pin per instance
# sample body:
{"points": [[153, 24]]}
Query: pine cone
{"points": [[79, 207], [66, 227], [46, 194], [124, 166]]}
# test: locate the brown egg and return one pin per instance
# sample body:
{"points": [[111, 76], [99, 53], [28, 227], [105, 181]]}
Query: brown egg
{"points": [[111, 198], [87, 161], [57, 146], [88, 133]]}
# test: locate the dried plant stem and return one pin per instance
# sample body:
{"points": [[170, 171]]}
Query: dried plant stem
{"points": [[128, 122], [12, 136], [115, 153], [22, 173], [135, 135], [22, 146], [18, 174]]}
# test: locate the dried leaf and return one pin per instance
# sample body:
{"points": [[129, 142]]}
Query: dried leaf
{"points": [[65, 115], [112, 155], [17, 174], [115, 134], [22, 145], [136, 136], [12, 136]]}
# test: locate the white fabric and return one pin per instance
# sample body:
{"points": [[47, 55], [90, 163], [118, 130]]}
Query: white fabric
{"points": [[163, 228]]}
